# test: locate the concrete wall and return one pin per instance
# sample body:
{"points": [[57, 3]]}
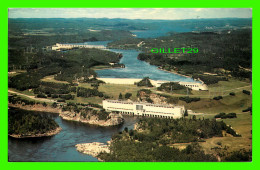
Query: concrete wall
{"points": [[156, 83]]}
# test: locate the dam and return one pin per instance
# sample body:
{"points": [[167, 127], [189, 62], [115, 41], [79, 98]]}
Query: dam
{"points": [[156, 83], [134, 70]]}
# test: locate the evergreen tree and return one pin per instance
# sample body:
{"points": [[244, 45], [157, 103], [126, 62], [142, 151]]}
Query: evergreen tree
{"points": [[120, 97]]}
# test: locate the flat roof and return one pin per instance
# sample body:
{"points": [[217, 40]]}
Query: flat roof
{"points": [[144, 103]]}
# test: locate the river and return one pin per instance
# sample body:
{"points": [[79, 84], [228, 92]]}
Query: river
{"points": [[135, 68], [61, 147]]}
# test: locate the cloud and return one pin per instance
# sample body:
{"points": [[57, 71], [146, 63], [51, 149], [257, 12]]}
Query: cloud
{"points": [[130, 13]]}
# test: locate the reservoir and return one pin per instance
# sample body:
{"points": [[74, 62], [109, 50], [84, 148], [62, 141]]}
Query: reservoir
{"points": [[135, 68], [61, 147]]}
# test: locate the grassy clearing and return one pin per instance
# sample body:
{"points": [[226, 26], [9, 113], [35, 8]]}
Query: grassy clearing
{"points": [[113, 90], [51, 79], [242, 125], [26, 92], [228, 104], [15, 73], [222, 88], [101, 67]]}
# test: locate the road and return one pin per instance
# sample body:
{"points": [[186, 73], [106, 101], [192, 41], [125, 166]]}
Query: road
{"points": [[31, 97]]}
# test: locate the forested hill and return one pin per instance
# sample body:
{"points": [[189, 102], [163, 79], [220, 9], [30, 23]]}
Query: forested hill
{"points": [[230, 50], [40, 32], [26, 123], [69, 66]]}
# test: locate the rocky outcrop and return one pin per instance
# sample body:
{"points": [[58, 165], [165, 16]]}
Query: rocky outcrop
{"points": [[36, 107], [93, 149], [113, 119], [49, 133]]}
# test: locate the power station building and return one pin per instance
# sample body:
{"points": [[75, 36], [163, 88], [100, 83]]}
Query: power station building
{"points": [[144, 109]]}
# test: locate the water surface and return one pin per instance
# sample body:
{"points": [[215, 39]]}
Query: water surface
{"points": [[61, 147]]}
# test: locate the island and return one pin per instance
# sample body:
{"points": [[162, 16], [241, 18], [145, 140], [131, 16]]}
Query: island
{"points": [[28, 124]]}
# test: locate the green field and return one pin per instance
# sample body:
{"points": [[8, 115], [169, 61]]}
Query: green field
{"points": [[222, 88], [114, 90], [242, 125], [51, 79], [228, 104]]}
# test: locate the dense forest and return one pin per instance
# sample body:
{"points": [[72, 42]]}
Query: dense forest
{"points": [[27, 33], [153, 137], [36, 33], [70, 66], [230, 50], [21, 122]]}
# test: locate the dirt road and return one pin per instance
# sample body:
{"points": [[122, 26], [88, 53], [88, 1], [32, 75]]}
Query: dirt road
{"points": [[31, 97]]}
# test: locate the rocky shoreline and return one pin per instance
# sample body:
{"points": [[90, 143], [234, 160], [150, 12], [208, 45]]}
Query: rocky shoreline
{"points": [[36, 107], [49, 133], [114, 119], [93, 149], [174, 72]]}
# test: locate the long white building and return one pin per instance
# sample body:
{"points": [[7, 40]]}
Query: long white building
{"points": [[59, 46], [144, 109]]}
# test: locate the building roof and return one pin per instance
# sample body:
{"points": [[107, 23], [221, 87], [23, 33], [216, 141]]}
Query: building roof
{"points": [[144, 103]]}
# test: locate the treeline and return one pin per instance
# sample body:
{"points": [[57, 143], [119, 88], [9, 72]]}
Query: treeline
{"points": [[50, 88], [14, 99], [40, 32], [87, 111], [226, 116], [25, 123], [86, 92], [63, 91], [71, 66], [189, 99], [209, 79], [145, 82], [31, 78], [153, 137], [171, 86], [131, 151], [179, 130], [225, 50]]}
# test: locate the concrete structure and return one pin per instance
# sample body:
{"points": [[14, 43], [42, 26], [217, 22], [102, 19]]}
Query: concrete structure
{"points": [[59, 46], [144, 109], [156, 83]]}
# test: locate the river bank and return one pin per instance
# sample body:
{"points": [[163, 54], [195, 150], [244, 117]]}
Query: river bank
{"points": [[113, 118], [49, 133], [93, 149], [174, 72]]}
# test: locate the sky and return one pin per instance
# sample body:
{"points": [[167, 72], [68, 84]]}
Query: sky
{"points": [[131, 13]]}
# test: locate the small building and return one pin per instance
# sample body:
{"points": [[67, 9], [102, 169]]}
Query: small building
{"points": [[144, 109], [194, 86]]}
